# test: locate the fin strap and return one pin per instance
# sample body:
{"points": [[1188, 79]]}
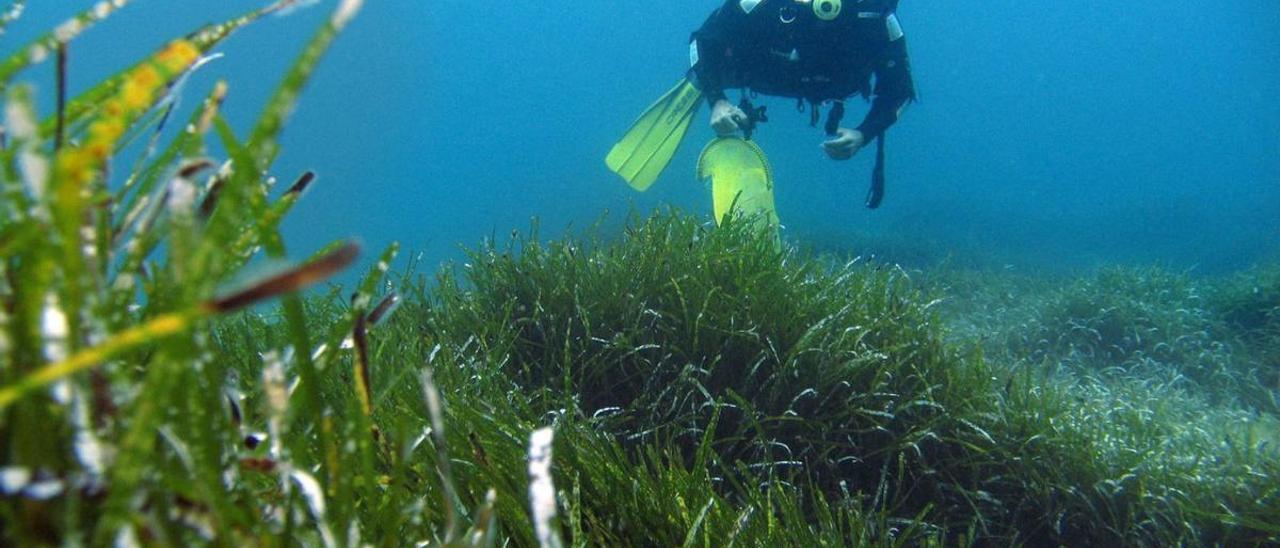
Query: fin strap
{"points": [[876, 193], [833, 117]]}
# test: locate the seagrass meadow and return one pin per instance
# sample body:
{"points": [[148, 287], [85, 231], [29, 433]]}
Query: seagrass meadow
{"points": [[669, 383]]}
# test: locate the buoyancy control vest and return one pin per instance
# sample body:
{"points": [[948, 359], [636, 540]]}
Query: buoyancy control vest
{"points": [[816, 50]]}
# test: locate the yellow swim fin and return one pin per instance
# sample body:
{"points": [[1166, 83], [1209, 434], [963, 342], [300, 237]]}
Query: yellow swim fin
{"points": [[741, 181], [648, 146]]}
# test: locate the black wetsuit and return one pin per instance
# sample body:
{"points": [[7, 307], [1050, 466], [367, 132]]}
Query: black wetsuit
{"points": [[780, 47]]}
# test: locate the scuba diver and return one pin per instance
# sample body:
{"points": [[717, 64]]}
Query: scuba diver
{"points": [[814, 51]]}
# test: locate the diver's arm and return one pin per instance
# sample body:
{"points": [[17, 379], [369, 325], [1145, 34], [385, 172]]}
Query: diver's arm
{"points": [[894, 87], [709, 47]]}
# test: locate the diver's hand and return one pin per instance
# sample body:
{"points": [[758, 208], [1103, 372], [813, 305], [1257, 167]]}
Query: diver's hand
{"points": [[846, 143], [726, 119]]}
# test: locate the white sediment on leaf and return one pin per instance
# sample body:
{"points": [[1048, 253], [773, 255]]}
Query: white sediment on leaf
{"points": [[353, 533], [61, 392], [127, 538], [35, 170], [173, 93], [5, 295], [44, 490], [204, 60], [20, 123], [417, 442], [182, 196], [14, 479], [319, 351], [178, 447], [143, 203], [54, 329], [19, 120], [91, 453], [346, 10], [199, 522], [542, 492], [605, 412], [314, 496], [87, 236], [274, 385], [286, 7], [225, 171], [68, 30], [123, 282], [15, 11]]}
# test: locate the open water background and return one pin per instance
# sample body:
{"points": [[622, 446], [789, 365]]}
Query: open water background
{"points": [[1050, 135]]}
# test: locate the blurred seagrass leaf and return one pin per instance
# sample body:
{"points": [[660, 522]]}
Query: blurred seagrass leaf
{"points": [[385, 307], [243, 194], [338, 332], [377, 272], [11, 14], [263, 141], [174, 323], [25, 170], [25, 204], [78, 295], [313, 271], [76, 182], [360, 302], [203, 39], [17, 236], [38, 50]]}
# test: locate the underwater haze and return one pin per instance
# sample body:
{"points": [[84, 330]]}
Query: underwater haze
{"points": [[1062, 327], [1048, 134]]}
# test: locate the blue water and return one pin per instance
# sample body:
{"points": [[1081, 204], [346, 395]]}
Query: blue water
{"points": [[1049, 134]]}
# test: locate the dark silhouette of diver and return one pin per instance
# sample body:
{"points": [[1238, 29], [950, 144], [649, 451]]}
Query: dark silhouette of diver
{"points": [[816, 51], [819, 52]]}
